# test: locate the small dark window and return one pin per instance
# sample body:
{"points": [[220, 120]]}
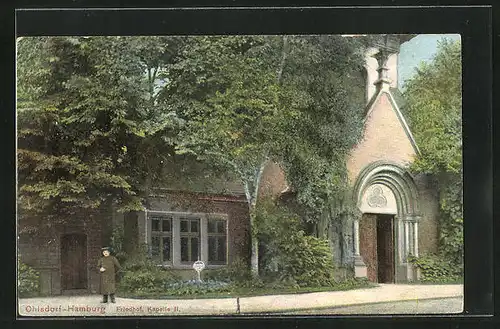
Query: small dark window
{"points": [[221, 249], [161, 238], [184, 226], [195, 248], [166, 225], [212, 226], [155, 248], [155, 224], [194, 226], [184, 249], [221, 227], [167, 242]]}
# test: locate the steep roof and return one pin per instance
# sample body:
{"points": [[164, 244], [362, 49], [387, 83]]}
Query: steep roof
{"points": [[187, 174], [399, 105], [400, 102]]}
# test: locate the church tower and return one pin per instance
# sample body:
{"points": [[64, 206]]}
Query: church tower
{"points": [[389, 198]]}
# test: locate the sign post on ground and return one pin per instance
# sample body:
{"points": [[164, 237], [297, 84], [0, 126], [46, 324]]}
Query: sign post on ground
{"points": [[198, 267]]}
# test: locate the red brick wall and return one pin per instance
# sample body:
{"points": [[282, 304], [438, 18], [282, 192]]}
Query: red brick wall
{"points": [[235, 207], [42, 250]]}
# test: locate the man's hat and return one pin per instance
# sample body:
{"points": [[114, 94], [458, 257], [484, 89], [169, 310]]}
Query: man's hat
{"points": [[106, 248]]}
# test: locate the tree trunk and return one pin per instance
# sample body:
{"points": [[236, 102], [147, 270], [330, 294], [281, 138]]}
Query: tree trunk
{"points": [[252, 202], [254, 260], [284, 54]]}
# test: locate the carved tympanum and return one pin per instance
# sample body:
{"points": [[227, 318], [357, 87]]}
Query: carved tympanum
{"points": [[376, 199]]}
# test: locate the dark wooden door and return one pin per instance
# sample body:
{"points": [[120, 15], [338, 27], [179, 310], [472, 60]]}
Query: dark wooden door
{"points": [[74, 261], [385, 248], [368, 244]]}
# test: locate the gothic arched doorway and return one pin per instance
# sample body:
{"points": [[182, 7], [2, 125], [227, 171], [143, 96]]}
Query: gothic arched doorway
{"points": [[387, 231]]}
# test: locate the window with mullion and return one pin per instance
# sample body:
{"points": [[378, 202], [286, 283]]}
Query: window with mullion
{"points": [[190, 239], [161, 238], [217, 242]]}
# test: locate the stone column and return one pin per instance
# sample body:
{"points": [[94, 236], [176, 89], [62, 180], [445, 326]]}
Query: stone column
{"points": [[415, 239], [356, 237], [407, 239], [415, 251], [409, 267]]}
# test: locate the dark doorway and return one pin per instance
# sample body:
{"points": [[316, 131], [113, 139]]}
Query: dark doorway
{"points": [[74, 261], [377, 246], [385, 248], [368, 244], [130, 231]]}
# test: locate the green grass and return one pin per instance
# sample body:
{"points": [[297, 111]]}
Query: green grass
{"points": [[250, 291], [438, 282]]}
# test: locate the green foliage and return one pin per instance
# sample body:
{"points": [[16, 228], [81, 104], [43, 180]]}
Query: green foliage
{"points": [[451, 228], [143, 275], [239, 275], [87, 124], [437, 269], [146, 280], [237, 272], [117, 243], [28, 281], [434, 100], [217, 289], [294, 100], [242, 96], [98, 117], [325, 102], [308, 260], [194, 287], [290, 255]]}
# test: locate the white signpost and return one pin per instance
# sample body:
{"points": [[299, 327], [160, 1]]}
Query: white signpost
{"points": [[198, 267]]}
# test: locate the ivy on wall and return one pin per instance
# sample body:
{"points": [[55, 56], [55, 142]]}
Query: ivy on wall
{"points": [[434, 107]]}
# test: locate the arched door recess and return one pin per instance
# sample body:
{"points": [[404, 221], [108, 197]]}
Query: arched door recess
{"points": [[387, 197]]}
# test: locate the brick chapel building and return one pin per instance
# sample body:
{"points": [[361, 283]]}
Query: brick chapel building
{"points": [[180, 225]]}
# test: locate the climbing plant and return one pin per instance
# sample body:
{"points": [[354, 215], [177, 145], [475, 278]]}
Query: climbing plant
{"points": [[434, 104], [100, 117], [293, 100], [290, 255]]}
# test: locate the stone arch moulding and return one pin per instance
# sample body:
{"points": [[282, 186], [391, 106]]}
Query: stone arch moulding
{"points": [[396, 178], [401, 183]]}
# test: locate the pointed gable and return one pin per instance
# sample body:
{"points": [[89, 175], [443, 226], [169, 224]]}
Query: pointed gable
{"points": [[386, 136]]}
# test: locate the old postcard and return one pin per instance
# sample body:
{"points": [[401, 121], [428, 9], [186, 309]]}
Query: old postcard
{"points": [[249, 174]]}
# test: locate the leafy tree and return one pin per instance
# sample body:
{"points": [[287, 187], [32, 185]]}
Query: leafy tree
{"points": [[288, 99], [326, 99], [97, 116], [87, 123], [434, 97], [227, 96]]}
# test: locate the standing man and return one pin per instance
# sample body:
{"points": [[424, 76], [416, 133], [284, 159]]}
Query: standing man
{"points": [[108, 266]]}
